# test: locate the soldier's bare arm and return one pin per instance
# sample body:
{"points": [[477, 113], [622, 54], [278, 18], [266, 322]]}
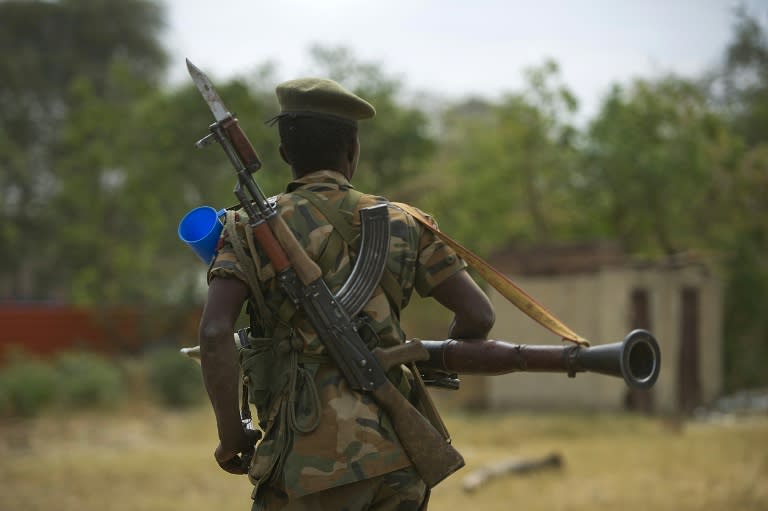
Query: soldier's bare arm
{"points": [[219, 361], [473, 313]]}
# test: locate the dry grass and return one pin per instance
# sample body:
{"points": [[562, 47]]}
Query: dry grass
{"points": [[145, 459]]}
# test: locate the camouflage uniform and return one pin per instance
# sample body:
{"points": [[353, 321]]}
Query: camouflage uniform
{"points": [[319, 434]]}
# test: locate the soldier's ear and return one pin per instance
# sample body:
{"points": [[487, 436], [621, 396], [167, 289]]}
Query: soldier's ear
{"points": [[283, 155]]}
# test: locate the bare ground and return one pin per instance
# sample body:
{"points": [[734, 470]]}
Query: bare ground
{"points": [[142, 458]]}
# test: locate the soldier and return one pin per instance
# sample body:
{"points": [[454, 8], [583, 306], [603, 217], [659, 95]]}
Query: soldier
{"points": [[325, 446]]}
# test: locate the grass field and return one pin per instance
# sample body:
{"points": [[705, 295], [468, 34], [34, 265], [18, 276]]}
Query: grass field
{"points": [[142, 458]]}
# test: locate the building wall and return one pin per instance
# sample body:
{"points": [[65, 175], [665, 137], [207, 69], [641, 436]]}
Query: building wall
{"points": [[578, 301], [46, 330], [597, 305]]}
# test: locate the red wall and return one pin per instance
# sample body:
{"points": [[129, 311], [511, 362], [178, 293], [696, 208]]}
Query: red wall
{"points": [[45, 330]]}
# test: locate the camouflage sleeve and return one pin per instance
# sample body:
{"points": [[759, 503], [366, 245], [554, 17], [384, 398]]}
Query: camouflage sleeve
{"points": [[436, 262], [225, 264]]}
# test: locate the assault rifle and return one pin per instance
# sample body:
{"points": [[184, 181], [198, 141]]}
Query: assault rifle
{"points": [[301, 278]]}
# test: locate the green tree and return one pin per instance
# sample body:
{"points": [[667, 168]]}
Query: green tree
{"points": [[60, 56], [675, 165], [744, 78], [744, 82], [508, 165], [652, 159]]}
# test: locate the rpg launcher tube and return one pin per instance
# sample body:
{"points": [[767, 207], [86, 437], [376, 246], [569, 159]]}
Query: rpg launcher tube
{"points": [[637, 358]]}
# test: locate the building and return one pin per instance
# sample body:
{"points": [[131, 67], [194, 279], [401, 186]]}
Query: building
{"points": [[602, 294]]}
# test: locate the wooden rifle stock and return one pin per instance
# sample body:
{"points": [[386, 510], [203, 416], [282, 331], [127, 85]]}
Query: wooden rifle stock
{"points": [[432, 456], [242, 145]]}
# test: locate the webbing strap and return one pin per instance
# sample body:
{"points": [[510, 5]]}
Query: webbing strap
{"points": [[503, 284], [246, 263], [278, 324], [342, 225]]}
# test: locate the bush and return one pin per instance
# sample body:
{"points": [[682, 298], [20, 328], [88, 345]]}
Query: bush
{"points": [[27, 385], [78, 380], [87, 380], [175, 380]]}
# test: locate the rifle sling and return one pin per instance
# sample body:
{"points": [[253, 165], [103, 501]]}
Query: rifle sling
{"points": [[246, 263], [503, 284]]}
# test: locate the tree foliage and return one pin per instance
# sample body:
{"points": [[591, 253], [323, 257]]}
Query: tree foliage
{"points": [[61, 57], [745, 76], [507, 165], [652, 162]]}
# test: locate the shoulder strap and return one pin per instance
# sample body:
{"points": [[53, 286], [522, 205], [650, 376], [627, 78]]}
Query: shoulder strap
{"points": [[334, 215], [247, 264], [501, 283], [342, 225]]}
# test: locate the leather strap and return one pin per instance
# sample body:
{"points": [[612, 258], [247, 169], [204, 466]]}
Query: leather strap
{"points": [[501, 283]]}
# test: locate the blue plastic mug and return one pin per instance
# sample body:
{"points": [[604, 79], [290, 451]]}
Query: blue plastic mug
{"points": [[200, 229]]}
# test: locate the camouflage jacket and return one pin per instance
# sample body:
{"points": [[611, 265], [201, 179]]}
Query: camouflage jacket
{"points": [[350, 438]]}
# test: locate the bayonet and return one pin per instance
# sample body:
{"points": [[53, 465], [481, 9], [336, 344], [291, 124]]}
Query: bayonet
{"points": [[208, 91]]}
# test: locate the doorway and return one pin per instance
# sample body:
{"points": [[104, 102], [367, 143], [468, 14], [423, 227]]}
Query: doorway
{"points": [[689, 380]]}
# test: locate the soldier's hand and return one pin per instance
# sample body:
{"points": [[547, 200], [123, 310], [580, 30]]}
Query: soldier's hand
{"points": [[237, 460]]}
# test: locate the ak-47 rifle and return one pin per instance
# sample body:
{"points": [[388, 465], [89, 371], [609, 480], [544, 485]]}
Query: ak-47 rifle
{"points": [[301, 278]]}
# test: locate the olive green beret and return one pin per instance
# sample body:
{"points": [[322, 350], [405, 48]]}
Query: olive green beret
{"points": [[323, 98]]}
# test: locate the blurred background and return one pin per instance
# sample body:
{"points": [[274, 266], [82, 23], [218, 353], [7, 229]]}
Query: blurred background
{"points": [[612, 157]]}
